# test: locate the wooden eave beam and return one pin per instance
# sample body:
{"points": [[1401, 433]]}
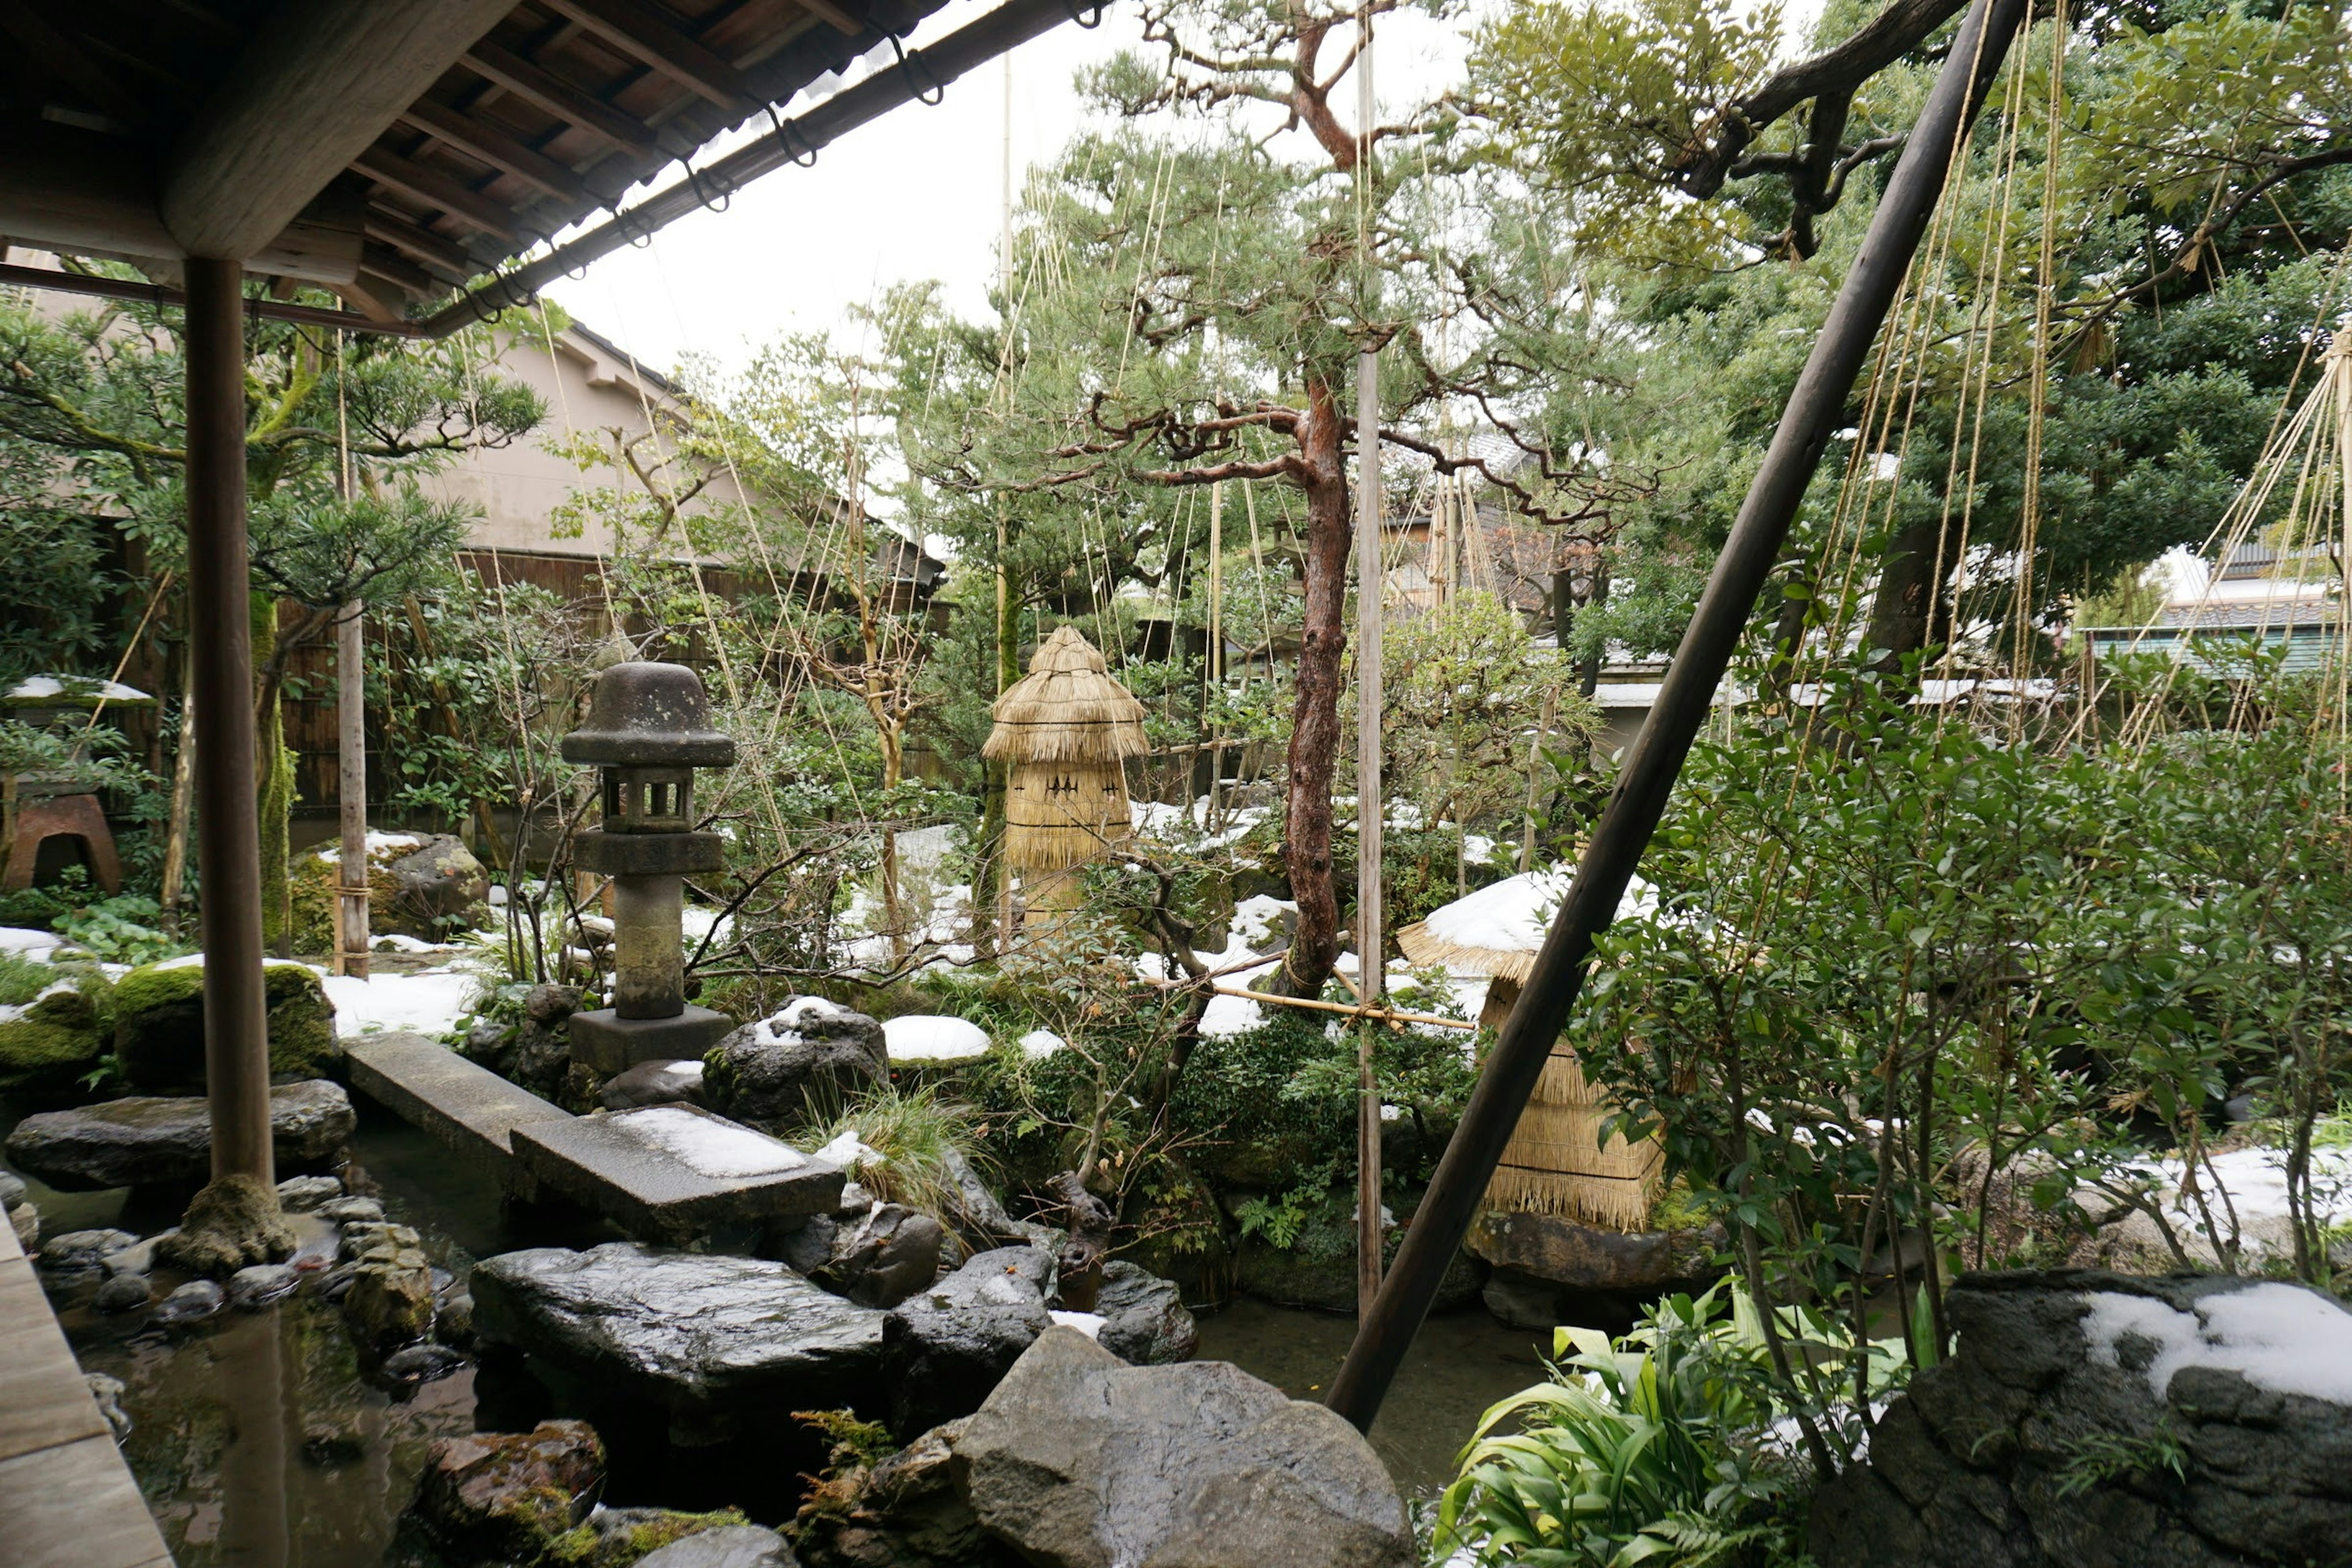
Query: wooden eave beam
{"points": [[69, 62], [435, 189], [832, 15], [437, 252], [535, 83], [319, 82], [494, 147], [638, 32]]}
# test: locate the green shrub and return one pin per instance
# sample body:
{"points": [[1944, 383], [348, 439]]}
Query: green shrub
{"points": [[1656, 1448]]}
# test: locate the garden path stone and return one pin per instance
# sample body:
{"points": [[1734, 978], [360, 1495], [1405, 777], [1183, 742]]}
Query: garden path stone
{"points": [[676, 1172], [153, 1139], [721, 1343]]}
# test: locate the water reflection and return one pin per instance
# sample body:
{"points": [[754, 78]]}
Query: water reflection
{"points": [[250, 1361]]}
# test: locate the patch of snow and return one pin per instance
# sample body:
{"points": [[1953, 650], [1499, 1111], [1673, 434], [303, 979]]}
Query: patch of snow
{"points": [[1257, 920], [27, 943], [185, 961], [1088, 1323], [11, 1011], [803, 1010], [498, 896], [401, 941], [697, 922], [720, 1150], [2278, 1337], [933, 1037], [81, 688], [1038, 1044], [1513, 914], [377, 843], [850, 1152], [428, 1003]]}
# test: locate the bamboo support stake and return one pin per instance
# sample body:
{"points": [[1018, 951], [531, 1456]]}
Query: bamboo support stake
{"points": [[351, 936]]}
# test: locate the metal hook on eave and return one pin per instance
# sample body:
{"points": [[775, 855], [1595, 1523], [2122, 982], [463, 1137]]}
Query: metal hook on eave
{"points": [[916, 77], [787, 133], [1078, 14]]}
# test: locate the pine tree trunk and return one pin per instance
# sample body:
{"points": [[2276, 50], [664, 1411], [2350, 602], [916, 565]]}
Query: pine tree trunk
{"points": [[1315, 729], [1906, 611]]}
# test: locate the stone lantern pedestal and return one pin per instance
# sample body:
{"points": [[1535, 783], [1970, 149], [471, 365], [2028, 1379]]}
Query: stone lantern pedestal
{"points": [[648, 730]]}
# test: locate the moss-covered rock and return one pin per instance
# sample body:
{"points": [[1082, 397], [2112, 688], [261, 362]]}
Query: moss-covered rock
{"points": [[232, 1223], [159, 1024], [421, 885], [60, 1037], [619, 1537]]}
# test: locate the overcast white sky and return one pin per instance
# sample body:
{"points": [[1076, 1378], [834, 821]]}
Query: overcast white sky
{"points": [[917, 194]]}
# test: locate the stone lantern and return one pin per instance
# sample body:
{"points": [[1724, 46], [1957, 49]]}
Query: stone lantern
{"points": [[649, 729]]}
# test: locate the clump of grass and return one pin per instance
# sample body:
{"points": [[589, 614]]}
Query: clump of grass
{"points": [[918, 1135], [21, 979]]}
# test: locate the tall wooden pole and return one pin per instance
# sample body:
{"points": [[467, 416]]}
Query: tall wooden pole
{"points": [[1816, 408], [1370, 810], [229, 827], [350, 792]]}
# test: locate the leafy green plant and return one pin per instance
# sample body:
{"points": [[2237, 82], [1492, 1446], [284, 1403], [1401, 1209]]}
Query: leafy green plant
{"points": [[125, 929], [1658, 1447], [2104, 1457]]}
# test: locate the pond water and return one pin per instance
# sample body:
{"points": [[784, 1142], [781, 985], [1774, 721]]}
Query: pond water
{"points": [[258, 1439]]}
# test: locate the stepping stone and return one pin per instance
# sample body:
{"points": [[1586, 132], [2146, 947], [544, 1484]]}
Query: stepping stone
{"points": [[727, 1346], [674, 1172], [463, 1104], [131, 1142]]}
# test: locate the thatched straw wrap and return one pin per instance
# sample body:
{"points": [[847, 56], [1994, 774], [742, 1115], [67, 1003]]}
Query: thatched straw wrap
{"points": [[1557, 1164], [1067, 708], [1497, 930]]}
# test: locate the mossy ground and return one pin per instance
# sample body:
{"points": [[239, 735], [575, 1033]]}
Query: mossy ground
{"points": [[585, 1546]]}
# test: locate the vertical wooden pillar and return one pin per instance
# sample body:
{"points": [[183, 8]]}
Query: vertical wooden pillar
{"points": [[1372, 805], [229, 828]]}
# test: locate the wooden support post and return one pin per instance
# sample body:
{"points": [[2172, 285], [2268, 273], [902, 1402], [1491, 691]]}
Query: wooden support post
{"points": [[1370, 809], [351, 936], [1816, 408], [229, 827]]}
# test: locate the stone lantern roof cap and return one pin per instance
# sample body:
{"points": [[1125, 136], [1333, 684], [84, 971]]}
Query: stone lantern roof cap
{"points": [[649, 714]]}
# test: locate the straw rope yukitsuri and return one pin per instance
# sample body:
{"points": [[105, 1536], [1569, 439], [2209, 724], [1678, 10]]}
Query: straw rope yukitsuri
{"points": [[1065, 730], [1559, 1161]]}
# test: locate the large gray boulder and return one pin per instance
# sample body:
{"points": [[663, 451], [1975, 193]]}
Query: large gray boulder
{"points": [[878, 1259], [730, 1546], [437, 887], [811, 1052], [142, 1140], [2095, 1420], [946, 1348], [1078, 1460], [724, 1344]]}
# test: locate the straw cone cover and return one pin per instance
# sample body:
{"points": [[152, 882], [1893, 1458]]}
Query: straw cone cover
{"points": [[1497, 930], [1067, 708]]}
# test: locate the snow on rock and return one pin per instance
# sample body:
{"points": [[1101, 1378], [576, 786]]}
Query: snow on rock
{"points": [[428, 1003], [933, 1037], [36, 945], [1257, 920], [1088, 1323], [400, 942], [377, 844], [2279, 1337], [83, 688], [1038, 1044], [851, 1152], [1512, 915], [713, 1148]]}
